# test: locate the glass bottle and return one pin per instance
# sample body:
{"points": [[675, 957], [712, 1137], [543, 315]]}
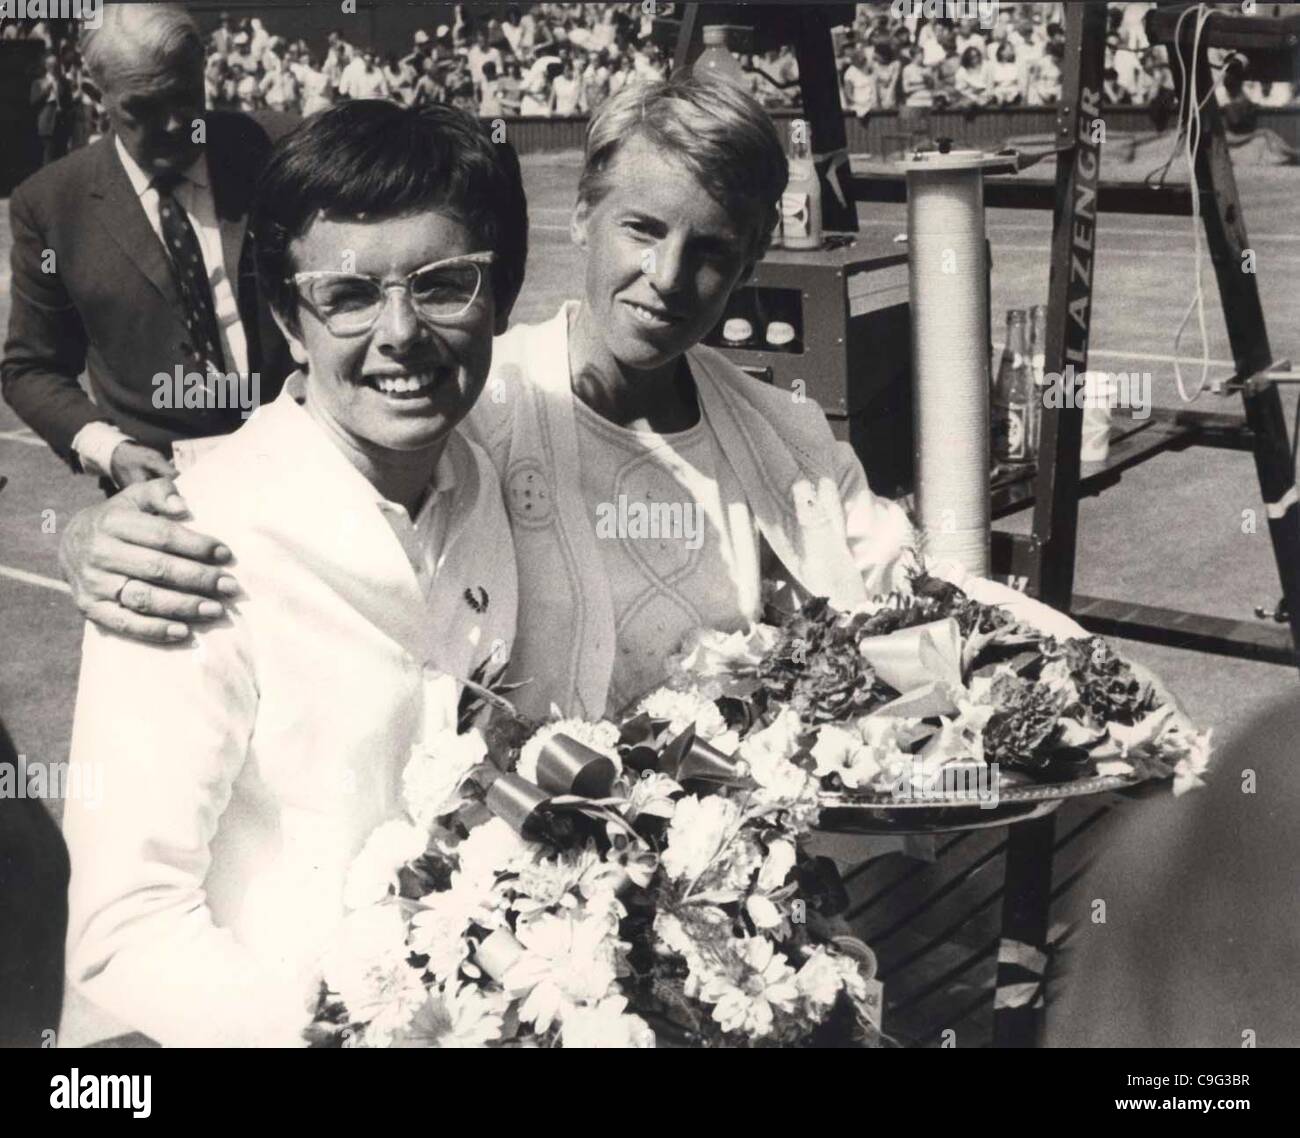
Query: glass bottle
{"points": [[801, 204], [1038, 361], [1013, 397]]}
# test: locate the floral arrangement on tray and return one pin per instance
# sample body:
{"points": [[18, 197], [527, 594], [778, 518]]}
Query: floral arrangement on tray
{"points": [[624, 884], [882, 701]]}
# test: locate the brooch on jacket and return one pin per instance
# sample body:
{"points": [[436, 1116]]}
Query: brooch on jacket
{"points": [[477, 598]]}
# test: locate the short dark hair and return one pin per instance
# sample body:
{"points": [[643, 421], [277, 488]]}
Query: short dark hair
{"points": [[372, 157]]}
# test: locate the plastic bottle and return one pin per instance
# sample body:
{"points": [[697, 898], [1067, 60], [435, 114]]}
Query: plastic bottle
{"points": [[801, 204], [1013, 397], [716, 62]]}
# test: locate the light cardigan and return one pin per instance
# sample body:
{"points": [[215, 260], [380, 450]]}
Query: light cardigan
{"points": [[807, 492], [243, 772]]}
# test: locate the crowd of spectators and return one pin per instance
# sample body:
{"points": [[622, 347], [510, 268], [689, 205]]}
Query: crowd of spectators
{"points": [[887, 61], [539, 60], [564, 59]]}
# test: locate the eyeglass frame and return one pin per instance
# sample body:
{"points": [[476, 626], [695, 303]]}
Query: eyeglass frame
{"points": [[478, 260]]}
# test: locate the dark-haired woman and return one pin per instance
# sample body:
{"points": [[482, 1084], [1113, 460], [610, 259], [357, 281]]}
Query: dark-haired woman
{"points": [[241, 776]]}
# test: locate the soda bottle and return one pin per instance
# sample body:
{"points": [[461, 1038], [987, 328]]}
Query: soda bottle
{"points": [[716, 62], [1038, 361], [801, 204], [1013, 396]]}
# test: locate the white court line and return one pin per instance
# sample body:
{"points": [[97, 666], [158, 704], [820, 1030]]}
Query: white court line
{"points": [[1117, 231], [34, 579], [1145, 356], [997, 245]]}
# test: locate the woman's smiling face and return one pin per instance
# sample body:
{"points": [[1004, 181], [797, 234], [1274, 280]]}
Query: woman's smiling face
{"points": [[405, 383], [662, 256]]}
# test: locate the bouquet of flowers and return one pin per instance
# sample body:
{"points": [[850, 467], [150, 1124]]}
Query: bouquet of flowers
{"points": [[595, 885], [618, 884], [887, 701]]}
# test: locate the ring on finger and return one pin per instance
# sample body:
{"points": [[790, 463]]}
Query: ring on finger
{"points": [[121, 597]]}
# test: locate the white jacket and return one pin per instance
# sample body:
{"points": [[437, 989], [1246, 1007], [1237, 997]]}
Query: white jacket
{"points": [[242, 773]]}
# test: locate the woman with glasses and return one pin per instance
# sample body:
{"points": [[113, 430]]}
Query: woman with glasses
{"points": [[242, 773]]}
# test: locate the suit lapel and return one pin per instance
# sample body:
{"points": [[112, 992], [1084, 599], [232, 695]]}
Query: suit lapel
{"points": [[123, 217], [232, 198]]}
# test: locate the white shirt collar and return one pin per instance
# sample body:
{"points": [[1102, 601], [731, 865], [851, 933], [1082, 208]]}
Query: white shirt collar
{"points": [[142, 182], [444, 474]]}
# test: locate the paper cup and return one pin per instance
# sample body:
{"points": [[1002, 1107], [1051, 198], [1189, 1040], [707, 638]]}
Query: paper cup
{"points": [[1097, 400]]}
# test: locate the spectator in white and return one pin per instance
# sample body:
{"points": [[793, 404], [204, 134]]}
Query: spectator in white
{"points": [[945, 72], [566, 92], [973, 82], [401, 82], [279, 87], [513, 30], [223, 39], [240, 53], [649, 65], [480, 53], [536, 101], [460, 89], [1045, 78], [579, 33], [887, 70], [933, 51], [917, 82], [605, 31], [313, 86], [1127, 65], [334, 68], [1155, 75], [859, 85], [595, 81], [259, 38], [1028, 41], [335, 44], [428, 91], [618, 74], [511, 87], [968, 35], [1132, 26], [214, 74], [1006, 76], [489, 96], [246, 91], [365, 79]]}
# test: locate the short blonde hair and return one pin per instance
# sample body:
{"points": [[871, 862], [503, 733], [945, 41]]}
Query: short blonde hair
{"points": [[722, 135]]}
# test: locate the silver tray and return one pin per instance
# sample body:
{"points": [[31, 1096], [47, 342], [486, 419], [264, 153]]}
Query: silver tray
{"points": [[849, 813]]}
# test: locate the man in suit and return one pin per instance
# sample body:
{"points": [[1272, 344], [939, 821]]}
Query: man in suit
{"points": [[52, 100], [131, 261]]}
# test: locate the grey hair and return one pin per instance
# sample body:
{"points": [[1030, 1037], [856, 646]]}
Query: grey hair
{"points": [[142, 41], [721, 133]]}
